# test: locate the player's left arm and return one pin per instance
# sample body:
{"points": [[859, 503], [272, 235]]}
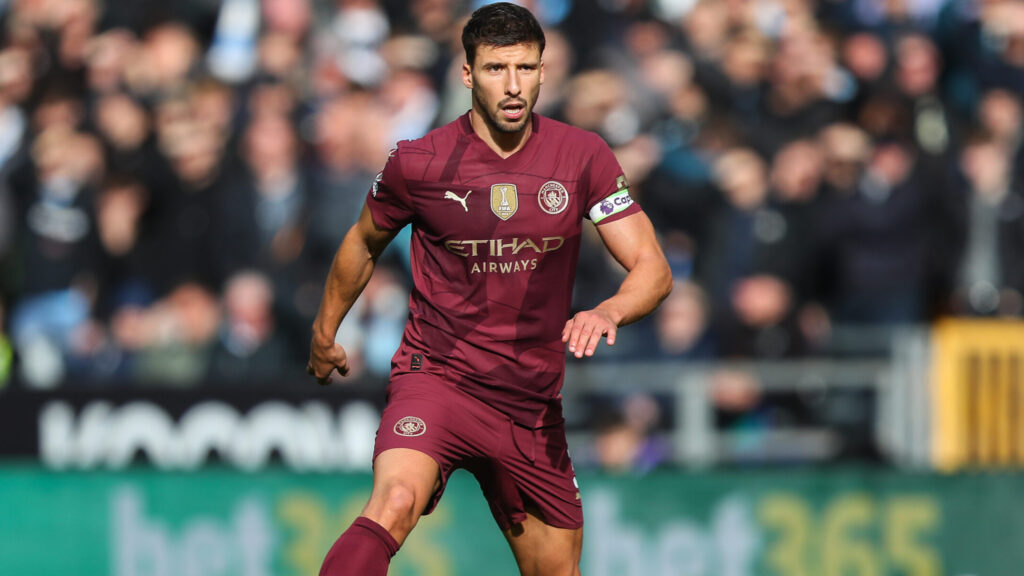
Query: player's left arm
{"points": [[631, 240]]}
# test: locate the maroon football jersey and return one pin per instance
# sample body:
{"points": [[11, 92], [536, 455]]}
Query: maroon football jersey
{"points": [[494, 248]]}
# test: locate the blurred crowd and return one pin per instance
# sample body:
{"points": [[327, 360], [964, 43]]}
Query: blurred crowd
{"points": [[175, 176]]}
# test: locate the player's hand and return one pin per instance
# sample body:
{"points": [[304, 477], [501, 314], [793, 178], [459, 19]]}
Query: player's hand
{"points": [[583, 331], [324, 358]]}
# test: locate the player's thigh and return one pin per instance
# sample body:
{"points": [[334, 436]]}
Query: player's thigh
{"points": [[544, 550]]}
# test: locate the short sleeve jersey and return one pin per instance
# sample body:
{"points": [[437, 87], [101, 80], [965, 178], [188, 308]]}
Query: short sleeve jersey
{"points": [[494, 249]]}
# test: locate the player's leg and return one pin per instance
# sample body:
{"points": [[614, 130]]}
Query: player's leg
{"points": [[404, 481], [413, 457], [543, 550]]}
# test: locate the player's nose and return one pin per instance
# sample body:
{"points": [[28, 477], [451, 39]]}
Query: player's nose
{"points": [[512, 85]]}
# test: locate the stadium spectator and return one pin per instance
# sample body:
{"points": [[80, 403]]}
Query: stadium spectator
{"points": [[350, 131], [988, 265], [171, 341], [918, 67], [985, 47], [753, 309], [802, 96], [681, 325], [54, 196], [1001, 114], [248, 347], [124, 127], [875, 229], [627, 439], [125, 265]]}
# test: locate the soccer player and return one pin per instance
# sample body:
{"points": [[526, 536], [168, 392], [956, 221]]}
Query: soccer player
{"points": [[496, 200]]}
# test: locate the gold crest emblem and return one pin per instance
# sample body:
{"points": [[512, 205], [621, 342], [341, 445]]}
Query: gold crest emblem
{"points": [[504, 200]]}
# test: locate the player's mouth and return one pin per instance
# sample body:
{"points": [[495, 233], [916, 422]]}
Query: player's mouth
{"points": [[514, 110]]}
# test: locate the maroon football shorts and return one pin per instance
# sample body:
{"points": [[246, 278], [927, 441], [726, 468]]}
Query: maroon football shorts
{"points": [[517, 467]]}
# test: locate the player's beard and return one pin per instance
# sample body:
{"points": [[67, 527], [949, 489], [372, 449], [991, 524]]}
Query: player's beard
{"points": [[496, 120]]}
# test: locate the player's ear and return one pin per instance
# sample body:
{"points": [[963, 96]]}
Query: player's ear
{"points": [[467, 76]]}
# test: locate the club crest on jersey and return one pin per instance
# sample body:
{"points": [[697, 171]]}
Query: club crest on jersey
{"points": [[553, 197], [410, 426], [504, 200]]}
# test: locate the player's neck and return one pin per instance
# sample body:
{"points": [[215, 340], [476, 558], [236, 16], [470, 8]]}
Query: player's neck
{"points": [[504, 144]]}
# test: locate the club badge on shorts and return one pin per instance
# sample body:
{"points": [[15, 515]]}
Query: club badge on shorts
{"points": [[553, 197], [410, 426], [504, 200]]}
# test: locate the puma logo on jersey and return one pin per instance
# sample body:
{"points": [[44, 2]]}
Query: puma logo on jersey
{"points": [[449, 195]]}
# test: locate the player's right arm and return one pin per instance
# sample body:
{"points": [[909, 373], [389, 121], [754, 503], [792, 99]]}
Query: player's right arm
{"points": [[351, 270]]}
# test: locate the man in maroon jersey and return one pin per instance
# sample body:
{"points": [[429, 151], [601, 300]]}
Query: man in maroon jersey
{"points": [[497, 201]]}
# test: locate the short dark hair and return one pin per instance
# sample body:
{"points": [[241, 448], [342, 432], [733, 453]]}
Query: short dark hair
{"points": [[500, 24]]}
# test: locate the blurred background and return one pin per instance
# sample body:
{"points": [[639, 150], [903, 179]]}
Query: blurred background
{"points": [[835, 386]]}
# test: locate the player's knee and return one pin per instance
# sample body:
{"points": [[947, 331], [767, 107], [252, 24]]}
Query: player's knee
{"points": [[400, 501]]}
